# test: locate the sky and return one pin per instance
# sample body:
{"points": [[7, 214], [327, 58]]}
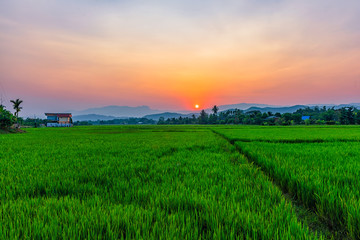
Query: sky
{"points": [[59, 55]]}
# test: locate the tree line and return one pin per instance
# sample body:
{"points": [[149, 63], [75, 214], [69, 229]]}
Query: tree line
{"points": [[307, 116], [127, 121]]}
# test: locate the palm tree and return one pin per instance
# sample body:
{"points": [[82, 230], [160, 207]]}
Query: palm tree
{"points": [[17, 108]]}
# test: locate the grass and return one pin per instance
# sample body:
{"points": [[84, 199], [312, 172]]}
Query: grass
{"points": [[292, 134], [182, 182], [321, 175], [129, 182]]}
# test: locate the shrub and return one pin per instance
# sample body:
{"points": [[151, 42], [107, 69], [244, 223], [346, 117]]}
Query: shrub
{"points": [[6, 118]]}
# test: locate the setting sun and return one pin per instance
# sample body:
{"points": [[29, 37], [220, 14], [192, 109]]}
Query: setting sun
{"points": [[196, 106]]}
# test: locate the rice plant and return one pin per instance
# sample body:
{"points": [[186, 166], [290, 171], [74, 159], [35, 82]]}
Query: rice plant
{"points": [[145, 182]]}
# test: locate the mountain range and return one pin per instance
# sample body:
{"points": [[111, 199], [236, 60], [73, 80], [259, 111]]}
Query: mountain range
{"points": [[116, 112], [94, 117]]}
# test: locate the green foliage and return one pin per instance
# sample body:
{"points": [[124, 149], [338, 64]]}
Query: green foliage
{"points": [[318, 116], [32, 122], [127, 121], [215, 110], [16, 105], [347, 116], [357, 117], [6, 118], [203, 118]]}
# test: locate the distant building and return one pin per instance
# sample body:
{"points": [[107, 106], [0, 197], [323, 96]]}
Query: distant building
{"points": [[59, 120], [305, 118]]}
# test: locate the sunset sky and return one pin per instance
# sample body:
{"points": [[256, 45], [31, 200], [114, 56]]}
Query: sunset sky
{"points": [[60, 55]]}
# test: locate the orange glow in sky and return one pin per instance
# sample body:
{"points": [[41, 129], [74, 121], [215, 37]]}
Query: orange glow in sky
{"points": [[62, 55]]}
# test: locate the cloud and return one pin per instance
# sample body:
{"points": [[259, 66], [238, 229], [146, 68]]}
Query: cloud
{"points": [[136, 51]]}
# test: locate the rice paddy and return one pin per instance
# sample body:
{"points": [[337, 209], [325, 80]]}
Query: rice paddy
{"points": [[180, 182]]}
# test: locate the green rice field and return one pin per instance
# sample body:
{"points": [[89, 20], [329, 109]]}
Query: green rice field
{"points": [[181, 182]]}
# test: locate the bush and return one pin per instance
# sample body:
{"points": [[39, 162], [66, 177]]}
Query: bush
{"points": [[320, 122], [6, 118]]}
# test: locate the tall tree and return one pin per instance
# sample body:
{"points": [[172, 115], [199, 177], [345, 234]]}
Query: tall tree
{"points": [[16, 105], [203, 118], [357, 117], [215, 110]]}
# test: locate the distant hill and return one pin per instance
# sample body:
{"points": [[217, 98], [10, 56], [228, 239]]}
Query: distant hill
{"points": [[357, 105], [276, 109], [291, 109], [92, 117], [242, 106], [113, 112], [118, 111]]}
